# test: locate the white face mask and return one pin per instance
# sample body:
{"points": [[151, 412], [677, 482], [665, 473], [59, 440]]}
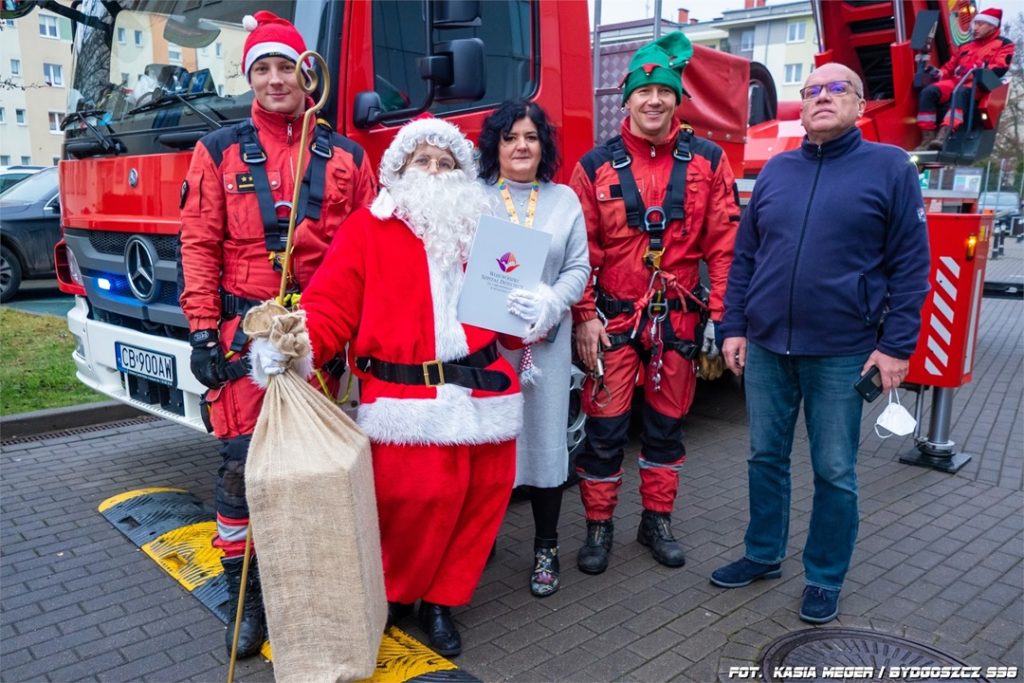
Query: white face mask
{"points": [[895, 419]]}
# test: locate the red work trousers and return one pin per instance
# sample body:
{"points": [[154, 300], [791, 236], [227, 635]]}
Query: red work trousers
{"points": [[662, 452], [440, 508]]}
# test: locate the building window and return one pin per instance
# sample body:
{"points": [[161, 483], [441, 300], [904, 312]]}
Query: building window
{"points": [[48, 26], [26, 161], [53, 74], [54, 160], [124, 78], [220, 89], [173, 54], [138, 39], [122, 36], [5, 159], [15, 67], [794, 74], [797, 32], [747, 41], [55, 117], [3, 114], [218, 49], [19, 116]]}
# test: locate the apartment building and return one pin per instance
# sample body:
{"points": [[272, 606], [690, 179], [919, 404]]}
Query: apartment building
{"points": [[781, 37], [35, 72]]}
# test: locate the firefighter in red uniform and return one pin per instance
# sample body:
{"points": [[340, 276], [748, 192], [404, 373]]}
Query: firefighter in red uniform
{"points": [[987, 49], [656, 199], [235, 203]]}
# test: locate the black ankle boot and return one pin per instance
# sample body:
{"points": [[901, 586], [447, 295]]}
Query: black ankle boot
{"points": [[397, 611], [593, 556], [436, 622], [253, 629], [655, 532]]}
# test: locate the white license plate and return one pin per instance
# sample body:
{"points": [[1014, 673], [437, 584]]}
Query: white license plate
{"points": [[158, 367]]}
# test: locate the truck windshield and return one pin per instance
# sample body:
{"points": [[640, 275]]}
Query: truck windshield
{"points": [[143, 64]]}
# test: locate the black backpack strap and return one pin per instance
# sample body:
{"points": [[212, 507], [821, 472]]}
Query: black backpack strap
{"points": [[675, 196], [311, 196], [255, 158], [630, 192]]}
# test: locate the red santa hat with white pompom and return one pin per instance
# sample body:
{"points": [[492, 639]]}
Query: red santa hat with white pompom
{"points": [[270, 36]]}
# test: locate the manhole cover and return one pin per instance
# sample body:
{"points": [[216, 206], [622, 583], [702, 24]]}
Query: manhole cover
{"points": [[830, 654]]}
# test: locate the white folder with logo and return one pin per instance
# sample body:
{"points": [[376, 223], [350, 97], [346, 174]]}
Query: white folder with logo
{"points": [[504, 256]]}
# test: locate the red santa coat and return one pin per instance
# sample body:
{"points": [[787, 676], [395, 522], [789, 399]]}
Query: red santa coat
{"points": [[378, 292]]}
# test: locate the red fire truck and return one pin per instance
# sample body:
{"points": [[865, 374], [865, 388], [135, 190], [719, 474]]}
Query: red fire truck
{"points": [[150, 77]]}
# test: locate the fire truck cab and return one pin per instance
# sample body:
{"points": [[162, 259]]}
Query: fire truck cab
{"points": [[151, 77]]}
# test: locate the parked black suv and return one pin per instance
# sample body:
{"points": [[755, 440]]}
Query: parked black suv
{"points": [[29, 230]]}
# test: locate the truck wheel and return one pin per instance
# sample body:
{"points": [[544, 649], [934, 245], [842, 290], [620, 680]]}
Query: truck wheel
{"points": [[10, 274], [577, 420]]}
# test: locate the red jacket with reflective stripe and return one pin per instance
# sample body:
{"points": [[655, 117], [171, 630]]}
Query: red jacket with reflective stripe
{"points": [[222, 241], [616, 250], [995, 52]]}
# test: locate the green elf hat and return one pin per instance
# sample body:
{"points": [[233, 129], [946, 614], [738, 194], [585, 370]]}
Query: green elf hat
{"points": [[660, 62]]}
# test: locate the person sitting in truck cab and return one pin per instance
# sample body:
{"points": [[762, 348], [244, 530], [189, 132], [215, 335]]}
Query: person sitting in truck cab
{"points": [[234, 224], [988, 49]]}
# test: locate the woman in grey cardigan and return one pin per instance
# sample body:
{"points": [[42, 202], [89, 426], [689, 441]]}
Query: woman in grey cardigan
{"points": [[518, 158]]}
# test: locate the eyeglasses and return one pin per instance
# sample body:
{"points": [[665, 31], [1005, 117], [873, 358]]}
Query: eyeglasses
{"points": [[835, 88], [424, 162]]}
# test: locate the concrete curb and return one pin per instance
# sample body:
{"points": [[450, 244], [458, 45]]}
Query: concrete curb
{"points": [[54, 419]]}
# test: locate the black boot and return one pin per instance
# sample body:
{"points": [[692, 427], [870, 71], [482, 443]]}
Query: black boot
{"points": [[397, 611], [655, 532], [253, 630], [593, 556], [436, 622]]}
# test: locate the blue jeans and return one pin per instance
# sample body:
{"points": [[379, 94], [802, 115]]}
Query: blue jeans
{"points": [[775, 386]]}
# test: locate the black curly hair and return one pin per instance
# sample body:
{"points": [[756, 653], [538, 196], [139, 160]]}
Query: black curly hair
{"points": [[500, 123]]}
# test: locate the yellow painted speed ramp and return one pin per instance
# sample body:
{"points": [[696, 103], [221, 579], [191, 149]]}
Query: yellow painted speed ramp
{"points": [[175, 529]]}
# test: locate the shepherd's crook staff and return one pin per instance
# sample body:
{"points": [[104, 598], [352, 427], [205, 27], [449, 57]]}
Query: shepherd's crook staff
{"points": [[308, 83]]}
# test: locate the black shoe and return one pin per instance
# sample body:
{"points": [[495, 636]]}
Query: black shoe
{"points": [[655, 532], [397, 611], [436, 622], [593, 556], [253, 629], [743, 572]]}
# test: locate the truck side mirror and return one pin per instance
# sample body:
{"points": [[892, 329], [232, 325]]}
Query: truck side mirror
{"points": [[467, 81], [366, 109], [456, 13], [15, 9]]}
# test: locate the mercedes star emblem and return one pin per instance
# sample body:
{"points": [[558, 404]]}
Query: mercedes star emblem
{"points": [[140, 265]]}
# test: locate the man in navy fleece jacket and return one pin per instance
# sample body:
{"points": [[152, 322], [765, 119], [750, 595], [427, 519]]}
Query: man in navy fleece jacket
{"points": [[829, 275]]}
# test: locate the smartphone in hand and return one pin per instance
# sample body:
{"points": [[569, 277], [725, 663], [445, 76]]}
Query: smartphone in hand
{"points": [[869, 385]]}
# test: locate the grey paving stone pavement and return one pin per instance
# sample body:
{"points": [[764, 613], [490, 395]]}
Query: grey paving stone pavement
{"points": [[940, 558]]}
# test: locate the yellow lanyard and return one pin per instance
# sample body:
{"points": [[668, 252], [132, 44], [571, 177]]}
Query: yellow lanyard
{"points": [[531, 205]]}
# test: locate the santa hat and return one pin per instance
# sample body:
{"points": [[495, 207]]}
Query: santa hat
{"points": [[990, 16], [423, 129], [269, 36]]}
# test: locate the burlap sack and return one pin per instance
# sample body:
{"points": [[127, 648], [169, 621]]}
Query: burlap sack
{"points": [[309, 482]]}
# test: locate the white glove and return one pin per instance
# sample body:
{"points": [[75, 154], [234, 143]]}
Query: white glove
{"points": [[265, 361], [708, 347], [542, 308]]}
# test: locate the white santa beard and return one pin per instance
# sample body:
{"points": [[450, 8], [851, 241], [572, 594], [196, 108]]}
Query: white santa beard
{"points": [[442, 210]]}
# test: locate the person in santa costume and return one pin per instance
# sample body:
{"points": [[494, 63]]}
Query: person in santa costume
{"points": [[987, 49], [441, 406]]}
